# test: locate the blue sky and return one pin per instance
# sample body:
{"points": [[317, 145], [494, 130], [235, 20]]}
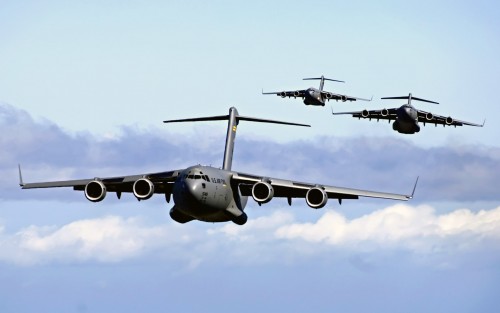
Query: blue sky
{"points": [[84, 88]]}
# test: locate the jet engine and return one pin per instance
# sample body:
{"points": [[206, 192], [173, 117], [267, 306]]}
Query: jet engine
{"points": [[95, 191], [283, 94], [316, 198], [296, 93], [328, 95], [343, 98], [384, 112], [262, 192], [449, 120], [365, 113], [429, 116], [143, 189]]}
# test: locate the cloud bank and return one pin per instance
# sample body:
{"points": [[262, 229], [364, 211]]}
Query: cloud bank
{"points": [[419, 231], [47, 152]]}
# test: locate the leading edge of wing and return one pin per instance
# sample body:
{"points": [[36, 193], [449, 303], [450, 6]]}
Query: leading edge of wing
{"points": [[154, 177], [290, 188], [441, 120]]}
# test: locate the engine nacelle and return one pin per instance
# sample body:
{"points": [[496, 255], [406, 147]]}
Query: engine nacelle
{"points": [[143, 189], [283, 94], [449, 120], [262, 192], [296, 93], [328, 95], [429, 116], [316, 198], [365, 113], [95, 191], [343, 98], [384, 112]]}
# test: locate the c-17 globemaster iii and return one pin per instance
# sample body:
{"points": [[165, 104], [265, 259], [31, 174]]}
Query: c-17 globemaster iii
{"points": [[313, 96], [212, 194], [406, 117]]}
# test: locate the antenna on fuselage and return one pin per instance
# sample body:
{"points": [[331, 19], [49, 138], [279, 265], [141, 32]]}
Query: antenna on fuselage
{"points": [[322, 81], [410, 97], [233, 119]]}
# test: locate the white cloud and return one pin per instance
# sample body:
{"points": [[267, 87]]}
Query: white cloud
{"points": [[419, 229], [277, 237], [107, 239]]}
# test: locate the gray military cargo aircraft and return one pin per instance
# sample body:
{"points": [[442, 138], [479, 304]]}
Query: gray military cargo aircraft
{"points": [[211, 194], [313, 96], [406, 117]]}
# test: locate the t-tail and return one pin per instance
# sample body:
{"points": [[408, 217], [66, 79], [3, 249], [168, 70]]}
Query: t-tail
{"points": [[322, 81], [410, 97], [233, 119]]}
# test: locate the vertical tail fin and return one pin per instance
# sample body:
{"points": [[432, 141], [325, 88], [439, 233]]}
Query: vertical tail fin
{"points": [[233, 119]]}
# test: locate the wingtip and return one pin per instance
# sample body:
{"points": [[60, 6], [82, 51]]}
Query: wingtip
{"points": [[21, 183], [484, 122], [414, 188]]}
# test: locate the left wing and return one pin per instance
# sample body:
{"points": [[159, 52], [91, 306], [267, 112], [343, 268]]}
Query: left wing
{"points": [[384, 114], [283, 94], [428, 117], [292, 189], [162, 183], [335, 96]]}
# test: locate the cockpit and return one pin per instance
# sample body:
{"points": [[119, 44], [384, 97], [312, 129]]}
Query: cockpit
{"points": [[196, 176]]}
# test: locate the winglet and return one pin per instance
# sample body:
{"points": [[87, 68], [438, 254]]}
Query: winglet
{"points": [[21, 183], [483, 122], [414, 187]]}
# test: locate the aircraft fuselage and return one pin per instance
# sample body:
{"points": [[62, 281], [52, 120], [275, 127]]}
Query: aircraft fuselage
{"points": [[407, 120], [204, 193]]}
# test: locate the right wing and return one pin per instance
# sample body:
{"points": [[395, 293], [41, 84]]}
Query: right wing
{"points": [[430, 118], [336, 96], [384, 114], [292, 189], [289, 94]]}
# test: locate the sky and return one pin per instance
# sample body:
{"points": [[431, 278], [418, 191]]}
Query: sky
{"points": [[85, 86]]}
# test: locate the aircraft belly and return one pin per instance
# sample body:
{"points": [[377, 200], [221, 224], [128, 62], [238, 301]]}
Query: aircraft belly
{"points": [[407, 127]]}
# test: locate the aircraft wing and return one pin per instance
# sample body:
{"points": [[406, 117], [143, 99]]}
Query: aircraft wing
{"points": [[162, 181], [428, 117], [384, 114], [292, 189], [335, 96], [283, 94]]}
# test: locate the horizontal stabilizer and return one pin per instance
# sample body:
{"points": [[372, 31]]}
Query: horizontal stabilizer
{"points": [[412, 98], [238, 118], [261, 120], [200, 119], [319, 78]]}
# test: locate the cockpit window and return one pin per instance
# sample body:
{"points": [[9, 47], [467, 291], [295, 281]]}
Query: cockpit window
{"points": [[192, 176]]}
